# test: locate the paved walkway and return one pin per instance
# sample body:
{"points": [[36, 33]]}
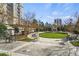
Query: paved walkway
{"points": [[12, 53], [11, 47], [42, 47], [22, 48], [19, 47]]}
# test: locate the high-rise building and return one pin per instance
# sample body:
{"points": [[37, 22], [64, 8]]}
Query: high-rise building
{"points": [[17, 10], [10, 13], [58, 22], [1, 12], [57, 25]]}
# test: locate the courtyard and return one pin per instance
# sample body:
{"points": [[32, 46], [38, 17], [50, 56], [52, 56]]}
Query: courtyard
{"points": [[37, 33], [41, 47]]}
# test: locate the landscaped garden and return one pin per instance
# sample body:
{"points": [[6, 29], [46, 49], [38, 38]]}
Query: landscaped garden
{"points": [[3, 54], [53, 35]]}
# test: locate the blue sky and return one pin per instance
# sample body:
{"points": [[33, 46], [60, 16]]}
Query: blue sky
{"points": [[47, 12]]}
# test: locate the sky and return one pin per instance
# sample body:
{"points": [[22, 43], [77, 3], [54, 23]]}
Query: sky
{"points": [[47, 12]]}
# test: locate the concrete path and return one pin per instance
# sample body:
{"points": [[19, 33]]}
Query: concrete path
{"points": [[19, 47], [10, 53], [42, 47]]}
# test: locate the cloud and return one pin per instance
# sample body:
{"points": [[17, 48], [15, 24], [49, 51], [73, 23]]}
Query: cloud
{"points": [[66, 17], [62, 17], [47, 6], [63, 7], [54, 13], [67, 8]]}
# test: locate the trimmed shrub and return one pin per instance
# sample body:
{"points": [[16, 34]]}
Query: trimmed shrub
{"points": [[3, 28]]}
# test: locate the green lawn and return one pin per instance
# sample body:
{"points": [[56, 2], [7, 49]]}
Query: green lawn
{"points": [[3, 54], [75, 43], [53, 35], [24, 38], [27, 39]]}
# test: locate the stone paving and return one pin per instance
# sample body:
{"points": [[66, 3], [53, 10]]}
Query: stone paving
{"points": [[42, 47], [10, 46], [11, 53], [43, 50]]}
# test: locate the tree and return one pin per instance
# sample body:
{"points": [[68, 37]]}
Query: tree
{"points": [[34, 24], [76, 28], [34, 21], [41, 25], [48, 26], [16, 30], [69, 25], [29, 17], [3, 28]]}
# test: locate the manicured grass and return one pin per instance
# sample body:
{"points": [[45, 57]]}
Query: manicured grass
{"points": [[3, 54], [76, 43], [53, 35], [27, 39], [20, 37], [24, 38]]}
